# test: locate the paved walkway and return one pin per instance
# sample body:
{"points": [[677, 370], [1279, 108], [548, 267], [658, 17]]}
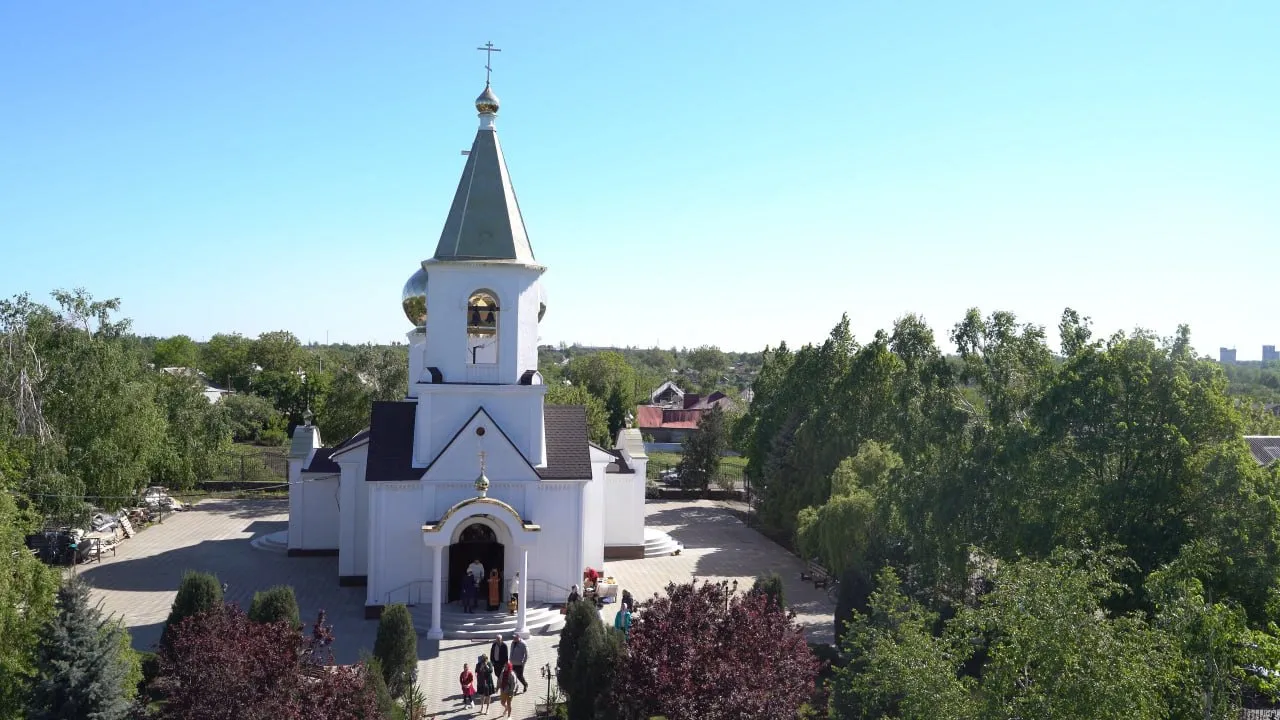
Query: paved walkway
{"points": [[140, 582]]}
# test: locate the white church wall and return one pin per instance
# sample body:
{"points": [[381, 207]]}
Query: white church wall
{"points": [[593, 520], [451, 286], [623, 515], [554, 562], [353, 496], [517, 409], [313, 512], [398, 559]]}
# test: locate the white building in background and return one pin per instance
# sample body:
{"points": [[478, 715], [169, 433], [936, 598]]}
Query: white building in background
{"points": [[472, 464]]}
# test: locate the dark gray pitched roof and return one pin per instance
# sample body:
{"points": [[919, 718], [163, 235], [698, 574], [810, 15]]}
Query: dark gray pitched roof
{"points": [[1265, 448], [484, 221], [351, 442], [391, 442], [568, 456], [320, 462]]}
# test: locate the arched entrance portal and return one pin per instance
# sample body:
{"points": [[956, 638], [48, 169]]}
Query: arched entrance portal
{"points": [[477, 541]]}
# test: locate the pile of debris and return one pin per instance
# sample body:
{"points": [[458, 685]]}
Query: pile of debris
{"points": [[64, 545]]}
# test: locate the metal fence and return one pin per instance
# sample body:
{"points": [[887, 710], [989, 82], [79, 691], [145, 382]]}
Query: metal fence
{"points": [[250, 464]]}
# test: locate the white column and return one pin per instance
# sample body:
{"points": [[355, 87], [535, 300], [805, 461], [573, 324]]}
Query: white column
{"points": [[436, 633], [522, 607]]}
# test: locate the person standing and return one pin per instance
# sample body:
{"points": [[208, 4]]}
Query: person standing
{"points": [[519, 657], [485, 686], [507, 689], [574, 595], [468, 593], [468, 682], [622, 621], [495, 589], [498, 653], [476, 570]]}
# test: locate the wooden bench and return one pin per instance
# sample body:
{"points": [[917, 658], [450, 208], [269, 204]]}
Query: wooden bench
{"points": [[816, 574]]}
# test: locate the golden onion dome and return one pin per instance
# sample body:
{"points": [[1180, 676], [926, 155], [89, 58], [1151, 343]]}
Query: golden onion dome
{"points": [[487, 102], [542, 301], [413, 299]]}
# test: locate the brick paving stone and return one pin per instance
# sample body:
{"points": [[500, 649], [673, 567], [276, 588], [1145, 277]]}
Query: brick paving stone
{"points": [[138, 584]]}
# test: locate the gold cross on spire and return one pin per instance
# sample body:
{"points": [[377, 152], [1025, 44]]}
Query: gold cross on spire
{"points": [[489, 50]]}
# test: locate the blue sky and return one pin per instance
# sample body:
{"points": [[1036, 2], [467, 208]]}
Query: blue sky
{"points": [[714, 172]]}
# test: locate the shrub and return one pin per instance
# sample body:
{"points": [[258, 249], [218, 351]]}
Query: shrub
{"points": [[580, 617], [771, 586], [396, 647], [223, 665], [275, 605], [387, 706], [198, 593]]}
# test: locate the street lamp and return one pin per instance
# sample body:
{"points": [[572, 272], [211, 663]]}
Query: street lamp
{"points": [[548, 673]]}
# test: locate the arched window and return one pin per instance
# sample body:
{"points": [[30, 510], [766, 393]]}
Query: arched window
{"points": [[482, 328]]}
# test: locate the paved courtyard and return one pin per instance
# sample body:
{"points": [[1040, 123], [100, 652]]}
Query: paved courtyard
{"points": [[139, 583]]}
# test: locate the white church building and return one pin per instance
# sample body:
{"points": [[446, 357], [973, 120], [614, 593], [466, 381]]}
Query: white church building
{"points": [[472, 464]]}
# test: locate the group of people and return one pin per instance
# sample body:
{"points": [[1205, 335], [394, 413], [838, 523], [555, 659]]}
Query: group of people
{"points": [[503, 665], [474, 581], [622, 619]]}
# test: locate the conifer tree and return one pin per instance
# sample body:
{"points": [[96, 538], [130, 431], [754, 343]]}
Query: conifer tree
{"points": [[580, 617], [81, 672], [198, 593], [396, 647], [278, 603]]}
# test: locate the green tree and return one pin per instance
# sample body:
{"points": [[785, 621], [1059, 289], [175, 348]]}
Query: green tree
{"points": [[896, 667], [600, 372], [579, 618], [198, 593], [703, 450], [597, 417], [27, 589], [82, 673], [251, 418], [177, 351], [396, 647], [617, 407], [225, 360], [196, 437], [596, 663], [347, 407], [278, 351], [274, 605], [708, 362]]}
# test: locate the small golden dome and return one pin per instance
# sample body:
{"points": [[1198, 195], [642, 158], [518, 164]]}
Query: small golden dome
{"points": [[413, 299], [487, 102]]}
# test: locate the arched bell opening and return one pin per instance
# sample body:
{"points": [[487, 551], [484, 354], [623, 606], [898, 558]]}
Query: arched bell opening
{"points": [[482, 328]]}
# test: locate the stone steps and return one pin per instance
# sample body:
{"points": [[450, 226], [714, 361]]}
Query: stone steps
{"points": [[276, 542], [484, 625], [659, 544]]}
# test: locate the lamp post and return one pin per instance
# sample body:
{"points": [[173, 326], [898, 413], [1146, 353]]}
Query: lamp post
{"points": [[548, 673]]}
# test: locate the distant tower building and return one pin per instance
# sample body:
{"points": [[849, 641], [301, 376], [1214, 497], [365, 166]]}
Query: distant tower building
{"points": [[1269, 353], [1227, 355]]}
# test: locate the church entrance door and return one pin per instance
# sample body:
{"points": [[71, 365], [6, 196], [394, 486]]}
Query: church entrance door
{"points": [[477, 542]]}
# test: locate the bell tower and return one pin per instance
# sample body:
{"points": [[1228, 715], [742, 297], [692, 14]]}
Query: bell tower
{"points": [[476, 304]]}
